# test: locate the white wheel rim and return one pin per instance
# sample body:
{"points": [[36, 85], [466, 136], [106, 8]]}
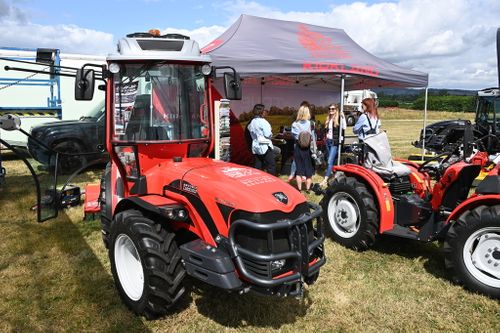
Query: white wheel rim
{"points": [[481, 256], [129, 267], [344, 215]]}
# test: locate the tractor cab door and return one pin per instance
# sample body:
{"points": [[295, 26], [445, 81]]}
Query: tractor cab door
{"points": [[42, 164]]}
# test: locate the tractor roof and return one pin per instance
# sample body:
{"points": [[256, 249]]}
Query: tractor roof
{"points": [[144, 46], [489, 92]]}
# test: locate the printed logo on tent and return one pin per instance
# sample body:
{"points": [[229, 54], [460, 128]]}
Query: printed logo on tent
{"points": [[319, 45], [213, 45], [316, 67]]}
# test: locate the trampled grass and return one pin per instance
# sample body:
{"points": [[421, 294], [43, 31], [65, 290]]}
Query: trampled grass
{"points": [[56, 276]]}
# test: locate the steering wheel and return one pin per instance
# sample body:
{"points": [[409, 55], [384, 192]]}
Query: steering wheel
{"points": [[436, 168]]}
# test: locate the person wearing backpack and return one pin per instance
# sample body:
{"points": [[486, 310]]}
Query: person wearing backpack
{"points": [[368, 123], [302, 133], [262, 146]]}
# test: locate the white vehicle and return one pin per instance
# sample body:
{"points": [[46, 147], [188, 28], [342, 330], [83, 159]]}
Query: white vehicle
{"points": [[35, 97], [352, 104], [353, 98]]}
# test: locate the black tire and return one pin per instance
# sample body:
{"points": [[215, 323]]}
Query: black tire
{"points": [[310, 280], [69, 160], [351, 121], [365, 227], [160, 259], [474, 224]]}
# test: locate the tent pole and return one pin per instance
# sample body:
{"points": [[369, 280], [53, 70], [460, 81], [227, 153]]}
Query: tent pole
{"points": [[342, 87], [425, 122], [261, 87]]}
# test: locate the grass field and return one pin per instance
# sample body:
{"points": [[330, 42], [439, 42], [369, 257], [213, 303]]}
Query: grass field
{"points": [[56, 276]]}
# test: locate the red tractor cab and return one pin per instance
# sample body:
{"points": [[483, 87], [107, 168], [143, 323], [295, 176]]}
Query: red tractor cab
{"points": [[382, 196], [167, 209]]}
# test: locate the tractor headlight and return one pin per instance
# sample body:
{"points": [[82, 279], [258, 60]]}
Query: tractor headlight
{"points": [[206, 69], [175, 213], [114, 68], [276, 265], [182, 214]]}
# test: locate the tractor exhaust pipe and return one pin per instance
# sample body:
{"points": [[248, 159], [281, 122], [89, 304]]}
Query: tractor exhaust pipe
{"points": [[498, 56]]}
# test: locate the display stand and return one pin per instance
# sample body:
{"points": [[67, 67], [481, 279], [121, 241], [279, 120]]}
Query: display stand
{"points": [[222, 130]]}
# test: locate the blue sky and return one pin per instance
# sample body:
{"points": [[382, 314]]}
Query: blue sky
{"points": [[120, 17], [452, 40]]}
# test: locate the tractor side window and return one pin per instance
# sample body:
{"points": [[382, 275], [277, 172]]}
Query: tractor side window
{"points": [[486, 113]]}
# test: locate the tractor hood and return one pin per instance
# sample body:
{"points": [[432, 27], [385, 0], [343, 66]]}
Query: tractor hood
{"points": [[237, 186]]}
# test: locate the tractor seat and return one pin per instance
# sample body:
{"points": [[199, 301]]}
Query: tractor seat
{"points": [[378, 157]]}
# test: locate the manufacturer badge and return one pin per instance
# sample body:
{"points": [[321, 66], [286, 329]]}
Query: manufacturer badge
{"points": [[281, 197]]}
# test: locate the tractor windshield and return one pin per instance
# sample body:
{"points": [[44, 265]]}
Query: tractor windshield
{"points": [[160, 102]]}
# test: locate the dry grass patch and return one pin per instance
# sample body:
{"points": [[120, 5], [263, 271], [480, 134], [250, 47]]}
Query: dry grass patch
{"points": [[55, 276]]}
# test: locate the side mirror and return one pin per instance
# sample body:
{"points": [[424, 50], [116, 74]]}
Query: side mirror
{"points": [[84, 84], [10, 122], [232, 86], [100, 148]]}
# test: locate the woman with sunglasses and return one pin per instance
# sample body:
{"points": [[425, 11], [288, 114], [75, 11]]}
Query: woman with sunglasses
{"points": [[335, 121]]}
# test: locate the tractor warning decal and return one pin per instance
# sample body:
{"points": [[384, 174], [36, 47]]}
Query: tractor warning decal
{"points": [[235, 172], [247, 176]]}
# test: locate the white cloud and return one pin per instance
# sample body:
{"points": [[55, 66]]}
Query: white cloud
{"points": [[202, 35], [17, 31], [454, 41]]}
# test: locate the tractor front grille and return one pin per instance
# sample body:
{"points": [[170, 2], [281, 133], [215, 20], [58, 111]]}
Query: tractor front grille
{"points": [[270, 242], [259, 268]]}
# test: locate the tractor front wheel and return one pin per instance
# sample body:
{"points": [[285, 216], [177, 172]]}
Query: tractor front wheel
{"points": [[472, 250], [146, 264], [351, 121], [351, 212]]}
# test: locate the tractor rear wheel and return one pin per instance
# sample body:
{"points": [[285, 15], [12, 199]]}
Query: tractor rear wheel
{"points": [[351, 212], [472, 250], [146, 264]]}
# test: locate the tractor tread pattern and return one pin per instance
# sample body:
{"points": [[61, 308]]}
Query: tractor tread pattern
{"points": [[469, 222], [162, 264], [368, 231]]}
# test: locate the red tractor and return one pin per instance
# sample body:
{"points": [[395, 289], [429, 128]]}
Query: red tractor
{"points": [[167, 209], [396, 198]]}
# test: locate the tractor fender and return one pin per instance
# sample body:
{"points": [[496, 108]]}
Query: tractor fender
{"points": [[379, 189], [155, 205], [149, 203], [471, 203]]}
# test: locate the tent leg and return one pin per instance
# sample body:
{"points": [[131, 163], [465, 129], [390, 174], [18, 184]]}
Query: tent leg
{"points": [[425, 122], [342, 87]]}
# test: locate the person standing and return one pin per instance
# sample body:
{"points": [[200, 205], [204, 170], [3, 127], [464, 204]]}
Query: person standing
{"points": [[335, 122], [368, 123], [302, 133], [262, 146]]}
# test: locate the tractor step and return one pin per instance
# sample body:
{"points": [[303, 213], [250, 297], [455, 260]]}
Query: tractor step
{"points": [[210, 264], [405, 232]]}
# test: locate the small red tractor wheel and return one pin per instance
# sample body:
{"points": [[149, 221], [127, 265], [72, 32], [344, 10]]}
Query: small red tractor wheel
{"points": [[351, 212], [146, 264], [472, 250]]}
